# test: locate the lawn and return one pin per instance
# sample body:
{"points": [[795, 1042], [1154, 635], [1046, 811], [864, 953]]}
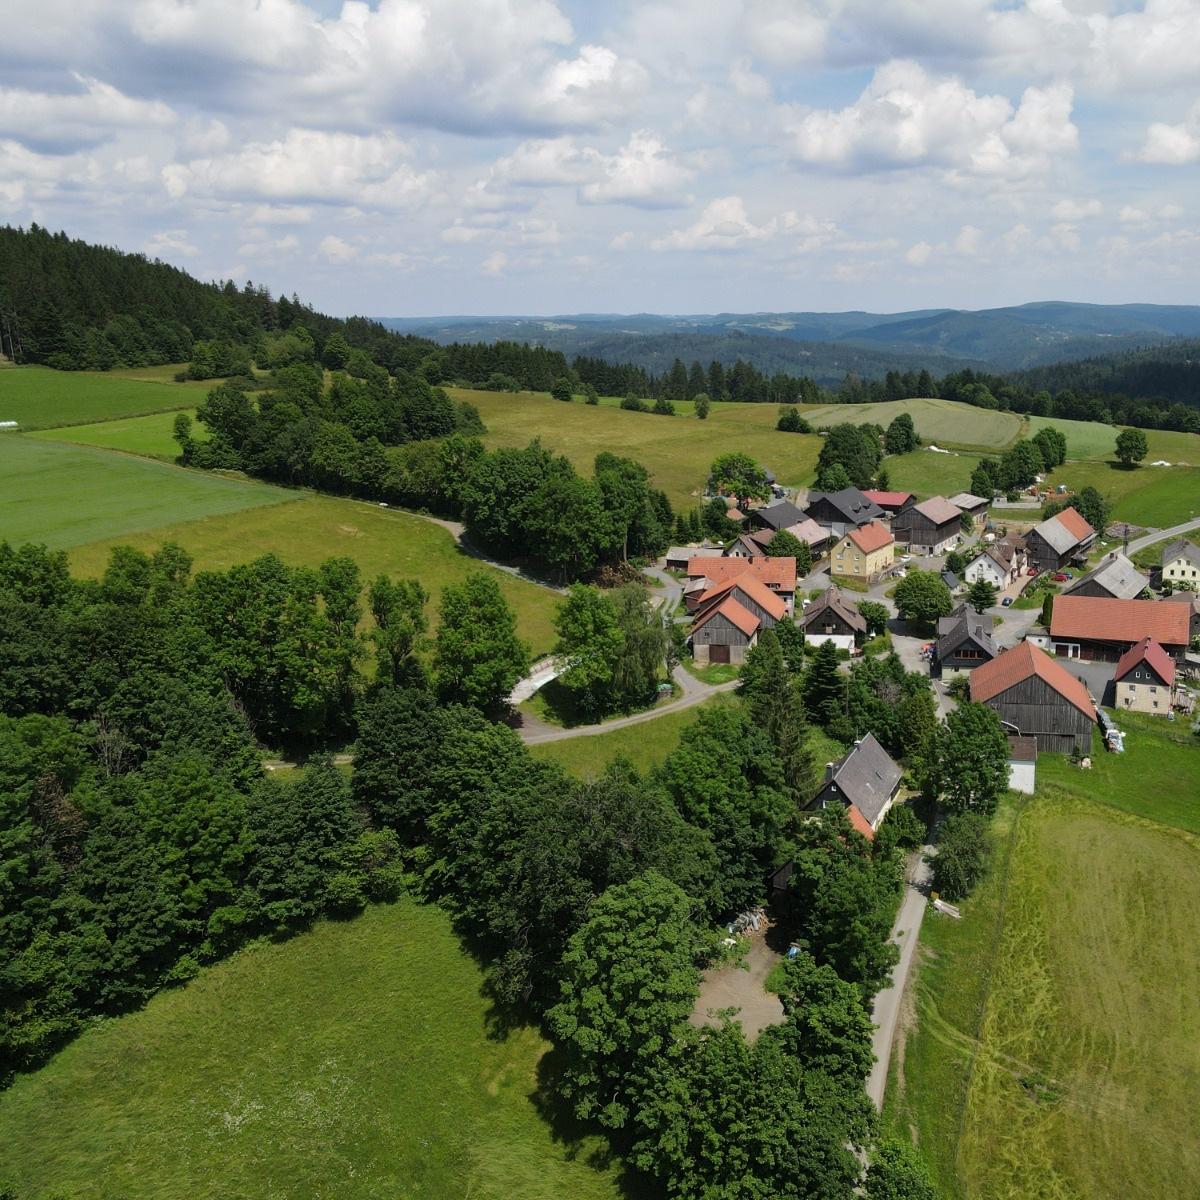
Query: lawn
{"points": [[356, 1061], [148, 435], [677, 451], [39, 398], [313, 527], [1156, 497], [65, 495], [943, 422], [930, 474], [1093, 440]]}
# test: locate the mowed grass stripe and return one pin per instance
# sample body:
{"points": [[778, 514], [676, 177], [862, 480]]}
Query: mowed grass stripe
{"points": [[65, 495], [313, 527], [354, 1062], [40, 398], [148, 435]]}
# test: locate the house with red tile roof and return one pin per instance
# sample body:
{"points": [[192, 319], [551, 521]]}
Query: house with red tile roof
{"points": [[1035, 696], [1102, 629], [891, 502], [1145, 678], [864, 553]]}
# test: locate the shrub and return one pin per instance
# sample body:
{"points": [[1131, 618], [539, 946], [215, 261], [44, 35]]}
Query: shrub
{"points": [[962, 857]]}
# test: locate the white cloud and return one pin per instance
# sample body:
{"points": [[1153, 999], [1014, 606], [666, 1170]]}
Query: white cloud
{"points": [[171, 242], [919, 254], [265, 247], [308, 165], [1173, 145], [337, 250], [723, 225], [1076, 210], [1129, 215], [544, 162], [969, 241], [281, 214], [495, 263], [1170, 212], [621, 241], [908, 118], [459, 234], [643, 173]]}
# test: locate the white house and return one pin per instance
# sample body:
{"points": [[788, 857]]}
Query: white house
{"points": [[994, 566]]}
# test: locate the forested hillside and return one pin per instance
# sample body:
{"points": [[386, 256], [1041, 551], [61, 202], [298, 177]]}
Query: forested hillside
{"points": [[1170, 371]]}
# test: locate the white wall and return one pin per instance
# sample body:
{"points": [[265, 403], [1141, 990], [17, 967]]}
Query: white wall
{"points": [[1022, 777]]}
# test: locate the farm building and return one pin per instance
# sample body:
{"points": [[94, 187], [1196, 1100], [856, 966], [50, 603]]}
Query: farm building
{"points": [[832, 618], [1115, 578], [809, 531], [864, 553], [891, 502], [1103, 629], [724, 632], [678, 557], [865, 782], [1191, 602], [1022, 764], [840, 511], [1058, 540], [974, 506], [1181, 563], [1145, 678], [750, 545], [776, 516], [778, 574], [1037, 697], [931, 527], [995, 566], [964, 641]]}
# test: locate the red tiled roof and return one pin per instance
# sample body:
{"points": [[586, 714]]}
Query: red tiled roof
{"points": [[1018, 664], [779, 573], [873, 536], [860, 823], [1070, 519], [888, 499], [1153, 655], [735, 613], [749, 586], [1103, 619]]}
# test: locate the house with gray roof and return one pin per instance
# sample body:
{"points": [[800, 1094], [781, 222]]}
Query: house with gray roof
{"points": [[1116, 578], [832, 618], [930, 527], [1181, 563], [777, 516], [844, 510], [865, 782], [964, 641]]}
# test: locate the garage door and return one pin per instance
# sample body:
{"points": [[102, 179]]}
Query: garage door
{"points": [[718, 654]]}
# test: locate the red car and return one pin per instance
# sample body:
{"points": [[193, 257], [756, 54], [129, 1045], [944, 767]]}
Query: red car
{"points": [[1060, 577]]}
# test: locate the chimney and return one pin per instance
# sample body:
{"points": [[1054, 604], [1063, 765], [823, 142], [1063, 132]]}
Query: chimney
{"points": [[828, 771]]}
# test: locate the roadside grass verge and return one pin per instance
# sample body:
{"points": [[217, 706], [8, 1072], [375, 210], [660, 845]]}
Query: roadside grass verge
{"points": [[40, 398], [311, 528], [358, 1060]]}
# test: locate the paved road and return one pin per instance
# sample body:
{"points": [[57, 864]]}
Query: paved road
{"points": [[886, 1012], [1161, 535], [672, 590]]}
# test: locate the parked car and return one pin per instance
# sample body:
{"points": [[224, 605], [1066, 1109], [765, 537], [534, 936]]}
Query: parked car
{"points": [[906, 558], [1061, 577], [1006, 602]]}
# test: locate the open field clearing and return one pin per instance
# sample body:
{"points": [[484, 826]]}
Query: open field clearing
{"points": [[354, 1061], [677, 451], [1156, 497], [1092, 440], [943, 422], [65, 495], [311, 528], [162, 374], [39, 398], [931, 474], [149, 435]]}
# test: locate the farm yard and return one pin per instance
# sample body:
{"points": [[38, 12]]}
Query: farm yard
{"points": [[1067, 1068], [357, 1060]]}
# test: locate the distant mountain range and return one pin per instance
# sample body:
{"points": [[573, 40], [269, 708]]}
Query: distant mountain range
{"points": [[827, 345]]}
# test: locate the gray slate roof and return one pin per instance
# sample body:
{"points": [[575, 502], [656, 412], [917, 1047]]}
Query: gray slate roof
{"points": [[1117, 575], [1056, 535], [962, 624], [967, 500], [851, 503], [867, 777], [1181, 547], [779, 516], [833, 599]]}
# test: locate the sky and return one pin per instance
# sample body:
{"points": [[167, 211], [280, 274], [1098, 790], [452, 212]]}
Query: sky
{"points": [[421, 157]]}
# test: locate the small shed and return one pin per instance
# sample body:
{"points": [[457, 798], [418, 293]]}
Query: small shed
{"points": [[1022, 764]]}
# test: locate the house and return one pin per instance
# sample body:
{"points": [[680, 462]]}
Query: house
{"points": [[1192, 601], [1116, 578], [677, 557], [840, 511], [931, 527], [1181, 563], [974, 506], [952, 582], [750, 545], [751, 593], [865, 782], [724, 633], [776, 516], [995, 567], [864, 553], [1035, 696], [964, 641], [1145, 678], [778, 574], [1058, 540], [891, 502], [832, 618], [694, 589], [813, 534], [1022, 764], [1102, 629]]}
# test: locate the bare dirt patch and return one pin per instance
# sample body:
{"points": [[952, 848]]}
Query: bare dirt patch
{"points": [[740, 986]]}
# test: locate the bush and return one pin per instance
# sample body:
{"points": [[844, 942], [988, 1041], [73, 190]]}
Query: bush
{"points": [[962, 855], [633, 404]]}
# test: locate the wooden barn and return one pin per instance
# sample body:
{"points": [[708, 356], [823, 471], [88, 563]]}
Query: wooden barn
{"points": [[724, 632], [930, 527], [832, 617], [1058, 540], [1035, 696], [891, 502], [1115, 578], [1101, 629]]}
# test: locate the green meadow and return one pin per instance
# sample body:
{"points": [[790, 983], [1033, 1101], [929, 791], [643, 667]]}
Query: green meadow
{"points": [[148, 435], [943, 422], [40, 398], [358, 1061]]}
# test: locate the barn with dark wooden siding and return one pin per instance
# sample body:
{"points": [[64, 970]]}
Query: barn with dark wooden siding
{"points": [[1035, 696]]}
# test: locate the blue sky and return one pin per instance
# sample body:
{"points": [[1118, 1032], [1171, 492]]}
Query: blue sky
{"points": [[409, 157]]}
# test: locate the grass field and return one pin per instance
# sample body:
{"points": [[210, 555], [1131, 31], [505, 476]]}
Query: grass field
{"points": [[64, 495], [356, 1061], [677, 451], [930, 474], [1058, 1024], [39, 398], [311, 528], [148, 435], [943, 422], [1152, 496]]}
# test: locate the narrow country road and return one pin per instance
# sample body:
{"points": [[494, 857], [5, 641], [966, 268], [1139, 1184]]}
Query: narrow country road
{"points": [[886, 1012], [1161, 535]]}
